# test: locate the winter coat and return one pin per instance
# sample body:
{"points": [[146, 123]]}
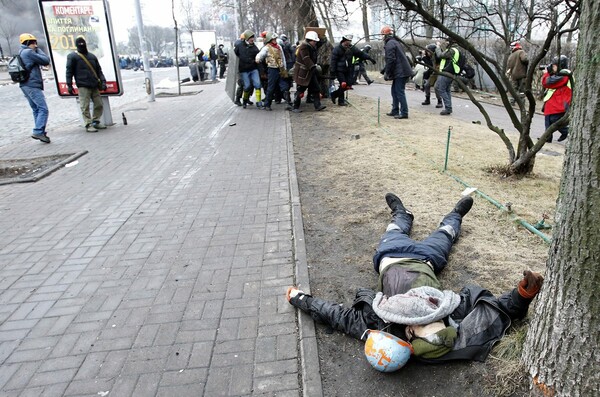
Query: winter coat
{"points": [[341, 59], [247, 55], [396, 63], [32, 59], [273, 55], [288, 52], [481, 318], [517, 64], [212, 54], [78, 68], [449, 59], [306, 61], [558, 95]]}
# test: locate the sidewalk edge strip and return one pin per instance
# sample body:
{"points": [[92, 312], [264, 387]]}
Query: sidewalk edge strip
{"points": [[309, 355]]}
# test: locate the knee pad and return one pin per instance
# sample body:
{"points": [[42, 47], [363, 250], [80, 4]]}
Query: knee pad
{"points": [[449, 230]]}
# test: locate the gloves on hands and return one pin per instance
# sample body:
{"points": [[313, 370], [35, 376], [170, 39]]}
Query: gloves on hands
{"points": [[103, 87], [372, 61], [70, 89], [530, 285]]}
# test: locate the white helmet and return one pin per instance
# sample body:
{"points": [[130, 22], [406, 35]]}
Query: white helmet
{"points": [[312, 35]]}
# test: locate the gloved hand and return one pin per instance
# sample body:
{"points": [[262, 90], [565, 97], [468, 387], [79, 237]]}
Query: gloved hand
{"points": [[103, 87], [382, 71], [70, 89], [530, 285], [372, 61]]}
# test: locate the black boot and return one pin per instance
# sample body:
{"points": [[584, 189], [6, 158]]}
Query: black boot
{"points": [[395, 204], [439, 104], [463, 206], [426, 101], [333, 96]]}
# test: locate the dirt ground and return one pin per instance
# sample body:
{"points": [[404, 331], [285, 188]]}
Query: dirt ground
{"points": [[346, 164]]}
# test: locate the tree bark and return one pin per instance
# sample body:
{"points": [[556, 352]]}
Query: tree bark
{"points": [[561, 349], [365, 20]]}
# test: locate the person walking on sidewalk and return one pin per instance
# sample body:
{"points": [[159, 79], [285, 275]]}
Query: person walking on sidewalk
{"points": [[360, 69], [273, 55], [33, 88], [440, 325], [222, 58], [246, 51], [212, 58], [85, 68], [306, 69], [449, 63], [397, 68]]}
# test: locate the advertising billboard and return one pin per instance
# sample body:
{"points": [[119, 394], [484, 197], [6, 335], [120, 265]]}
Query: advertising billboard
{"points": [[66, 20]]}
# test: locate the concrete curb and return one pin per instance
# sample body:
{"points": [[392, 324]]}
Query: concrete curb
{"points": [[44, 173], [309, 355]]}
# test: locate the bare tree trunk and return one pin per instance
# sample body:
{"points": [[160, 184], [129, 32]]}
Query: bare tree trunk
{"points": [[530, 20], [561, 350], [365, 20], [306, 13]]}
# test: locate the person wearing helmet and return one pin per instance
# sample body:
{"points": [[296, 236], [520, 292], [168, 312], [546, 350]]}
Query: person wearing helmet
{"points": [[273, 55], [430, 76], [359, 67], [33, 88], [246, 51], [398, 70], [306, 69], [449, 63], [83, 66], [440, 325], [557, 99], [342, 68], [517, 68]]}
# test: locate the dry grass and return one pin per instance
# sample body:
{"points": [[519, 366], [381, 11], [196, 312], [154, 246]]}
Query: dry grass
{"points": [[342, 184]]}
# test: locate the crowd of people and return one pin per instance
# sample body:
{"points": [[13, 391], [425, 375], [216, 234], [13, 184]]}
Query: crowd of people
{"points": [[321, 70]]}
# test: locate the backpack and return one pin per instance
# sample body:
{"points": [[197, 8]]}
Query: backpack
{"points": [[467, 71], [17, 71]]}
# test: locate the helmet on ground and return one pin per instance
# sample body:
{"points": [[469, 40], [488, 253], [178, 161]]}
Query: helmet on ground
{"points": [[26, 37], [386, 352], [562, 62], [347, 37], [431, 47], [386, 30], [312, 35]]}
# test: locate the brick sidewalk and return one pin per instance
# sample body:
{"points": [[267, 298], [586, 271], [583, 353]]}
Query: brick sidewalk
{"points": [[158, 264]]}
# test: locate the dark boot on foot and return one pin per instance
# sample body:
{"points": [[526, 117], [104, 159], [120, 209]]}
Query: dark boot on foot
{"points": [[394, 203], [463, 206]]}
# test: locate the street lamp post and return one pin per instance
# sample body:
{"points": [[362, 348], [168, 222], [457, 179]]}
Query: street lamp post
{"points": [[147, 71]]}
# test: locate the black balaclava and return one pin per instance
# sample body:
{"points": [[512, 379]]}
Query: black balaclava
{"points": [[81, 45]]}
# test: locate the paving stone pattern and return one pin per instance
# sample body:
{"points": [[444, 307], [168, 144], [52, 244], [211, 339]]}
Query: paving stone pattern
{"points": [[157, 264]]}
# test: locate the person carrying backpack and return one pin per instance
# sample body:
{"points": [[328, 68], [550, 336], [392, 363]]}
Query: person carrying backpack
{"points": [[450, 62], [33, 87]]}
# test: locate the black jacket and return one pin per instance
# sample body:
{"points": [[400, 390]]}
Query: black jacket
{"points": [[247, 54], [396, 63], [483, 319], [212, 54], [341, 58], [84, 77]]}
